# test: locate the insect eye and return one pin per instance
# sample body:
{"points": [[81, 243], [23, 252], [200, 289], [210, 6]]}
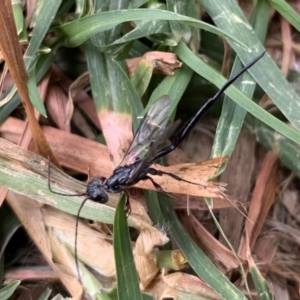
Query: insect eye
{"points": [[103, 198]]}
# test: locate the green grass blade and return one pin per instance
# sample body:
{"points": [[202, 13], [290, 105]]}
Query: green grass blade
{"points": [[45, 294], [231, 119], [179, 30], [20, 22], [42, 19], [9, 225], [127, 279], [174, 86], [107, 75], [208, 73], [141, 77], [43, 64], [287, 12], [232, 116], [287, 150], [201, 264], [141, 30], [104, 38], [8, 290], [153, 207], [225, 15], [77, 32], [34, 93], [29, 175], [261, 285]]}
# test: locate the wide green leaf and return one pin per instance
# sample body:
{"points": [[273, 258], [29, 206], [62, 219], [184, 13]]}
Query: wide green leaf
{"points": [[265, 72], [77, 32], [8, 290], [257, 71], [127, 278]]}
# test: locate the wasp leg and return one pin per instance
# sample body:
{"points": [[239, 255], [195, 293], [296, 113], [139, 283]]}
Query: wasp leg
{"points": [[127, 206], [156, 185], [153, 171]]}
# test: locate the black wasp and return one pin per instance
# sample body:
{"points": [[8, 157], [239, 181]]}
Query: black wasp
{"points": [[146, 148]]}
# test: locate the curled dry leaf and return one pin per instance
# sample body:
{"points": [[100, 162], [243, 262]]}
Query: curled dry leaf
{"points": [[32, 219], [81, 123], [198, 173], [266, 249], [163, 62], [64, 261], [63, 228], [262, 198], [146, 268], [181, 286], [82, 99], [291, 203], [220, 255], [78, 85], [58, 107], [144, 256]]}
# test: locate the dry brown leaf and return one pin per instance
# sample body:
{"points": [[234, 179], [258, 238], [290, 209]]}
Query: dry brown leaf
{"points": [[180, 286], [78, 86], [239, 178], [31, 217], [36, 275], [58, 107], [71, 149], [265, 249], [262, 198], [144, 256], [63, 228], [287, 45], [82, 99], [198, 173], [12, 53], [216, 251], [193, 202], [80, 122], [119, 129], [161, 62], [30, 8]]}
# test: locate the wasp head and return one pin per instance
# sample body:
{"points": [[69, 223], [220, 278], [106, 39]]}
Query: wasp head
{"points": [[95, 190]]}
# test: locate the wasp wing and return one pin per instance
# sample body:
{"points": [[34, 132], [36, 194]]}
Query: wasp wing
{"points": [[155, 147], [151, 127]]}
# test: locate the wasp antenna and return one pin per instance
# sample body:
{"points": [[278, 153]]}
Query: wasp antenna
{"points": [[76, 238], [56, 193]]}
